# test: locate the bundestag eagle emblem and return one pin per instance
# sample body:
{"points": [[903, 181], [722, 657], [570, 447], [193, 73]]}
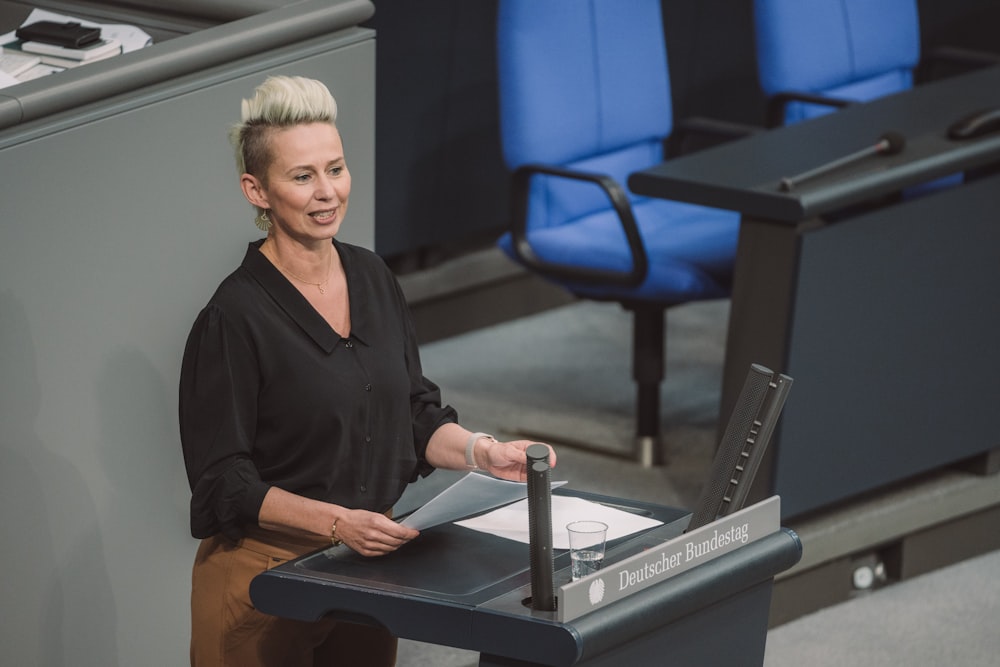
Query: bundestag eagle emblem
{"points": [[596, 591]]}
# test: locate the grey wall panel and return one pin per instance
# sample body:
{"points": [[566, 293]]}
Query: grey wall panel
{"points": [[119, 219]]}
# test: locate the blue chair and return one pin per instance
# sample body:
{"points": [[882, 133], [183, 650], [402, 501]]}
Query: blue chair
{"points": [[584, 102], [816, 56]]}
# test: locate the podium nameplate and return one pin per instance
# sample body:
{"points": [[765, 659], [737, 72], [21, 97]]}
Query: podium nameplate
{"points": [[653, 566]]}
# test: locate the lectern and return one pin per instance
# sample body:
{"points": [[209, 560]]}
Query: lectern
{"points": [[458, 587], [882, 305]]}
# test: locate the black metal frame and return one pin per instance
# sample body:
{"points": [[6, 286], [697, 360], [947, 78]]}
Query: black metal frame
{"points": [[520, 192], [777, 103], [648, 336]]}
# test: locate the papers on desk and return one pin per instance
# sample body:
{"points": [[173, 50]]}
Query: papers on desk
{"points": [[128, 37], [131, 37], [104, 48], [476, 493], [512, 521], [471, 494], [17, 67], [14, 63], [7, 79]]}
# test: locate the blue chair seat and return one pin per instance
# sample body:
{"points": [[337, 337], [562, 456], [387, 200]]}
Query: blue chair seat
{"points": [[690, 250]]}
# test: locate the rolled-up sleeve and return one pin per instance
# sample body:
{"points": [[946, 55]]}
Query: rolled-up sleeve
{"points": [[217, 406]]}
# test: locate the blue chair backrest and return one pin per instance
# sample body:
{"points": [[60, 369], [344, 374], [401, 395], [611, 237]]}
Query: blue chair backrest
{"points": [[850, 49], [584, 84]]}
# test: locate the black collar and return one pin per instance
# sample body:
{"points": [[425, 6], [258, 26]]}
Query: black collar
{"points": [[297, 307]]}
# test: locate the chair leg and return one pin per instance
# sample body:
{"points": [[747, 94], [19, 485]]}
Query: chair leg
{"points": [[648, 371]]}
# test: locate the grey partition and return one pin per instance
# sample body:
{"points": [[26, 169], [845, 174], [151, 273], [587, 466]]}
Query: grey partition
{"points": [[120, 212]]}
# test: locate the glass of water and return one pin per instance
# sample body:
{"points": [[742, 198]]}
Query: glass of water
{"points": [[586, 546]]}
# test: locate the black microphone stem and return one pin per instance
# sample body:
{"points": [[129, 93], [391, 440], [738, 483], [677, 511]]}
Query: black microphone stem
{"points": [[890, 143]]}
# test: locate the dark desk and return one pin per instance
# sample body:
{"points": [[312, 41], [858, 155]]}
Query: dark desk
{"points": [[883, 308], [457, 587]]}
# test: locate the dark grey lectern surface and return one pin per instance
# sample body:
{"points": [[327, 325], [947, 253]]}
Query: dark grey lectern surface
{"points": [[461, 588], [882, 306]]}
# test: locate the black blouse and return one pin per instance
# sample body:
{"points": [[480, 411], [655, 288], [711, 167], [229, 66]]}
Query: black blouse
{"points": [[271, 395]]}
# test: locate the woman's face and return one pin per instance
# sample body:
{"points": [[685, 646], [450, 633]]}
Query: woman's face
{"points": [[307, 182]]}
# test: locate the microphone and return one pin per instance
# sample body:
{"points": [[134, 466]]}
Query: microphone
{"points": [[540, 528], [889, 143]]}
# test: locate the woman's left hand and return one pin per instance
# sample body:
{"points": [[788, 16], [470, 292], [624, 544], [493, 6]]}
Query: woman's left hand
{"points": [[509, 460]]}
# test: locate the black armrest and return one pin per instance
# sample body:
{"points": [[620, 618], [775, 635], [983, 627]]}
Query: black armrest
{"points": [[520, 188], [945, 61], [714, 130], [776, 105]]}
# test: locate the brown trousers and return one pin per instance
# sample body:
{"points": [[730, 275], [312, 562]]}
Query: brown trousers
{"points": [[227, 631]]}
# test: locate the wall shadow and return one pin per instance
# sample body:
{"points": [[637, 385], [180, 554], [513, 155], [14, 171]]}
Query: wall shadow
{"points": [[57, 603]]}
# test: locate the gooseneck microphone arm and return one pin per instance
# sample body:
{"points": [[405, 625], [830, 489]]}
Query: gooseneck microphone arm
{"points": [[889, 143]]}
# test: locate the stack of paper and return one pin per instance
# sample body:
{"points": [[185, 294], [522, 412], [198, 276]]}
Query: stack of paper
{"points": [[16, 63], [62, 56], [17, 67], [477, 493], [470, 495]]}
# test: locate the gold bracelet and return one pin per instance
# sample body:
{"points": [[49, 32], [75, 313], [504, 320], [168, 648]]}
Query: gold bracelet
{"points": [[333, 535]]}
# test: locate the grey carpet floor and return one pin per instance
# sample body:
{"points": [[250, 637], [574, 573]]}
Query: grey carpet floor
{"points": [[946, 618], [564, 375]]}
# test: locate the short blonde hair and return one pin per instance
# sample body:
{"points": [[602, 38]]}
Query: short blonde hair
{"points": [[279, 102]]}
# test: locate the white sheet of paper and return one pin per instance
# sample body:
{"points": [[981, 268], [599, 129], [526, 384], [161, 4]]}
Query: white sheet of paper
{"points": [[8, 80], [471, 494], [512, 521]]}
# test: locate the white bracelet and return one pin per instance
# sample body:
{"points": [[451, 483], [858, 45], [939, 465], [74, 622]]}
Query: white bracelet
{"points": [[470, 449]]}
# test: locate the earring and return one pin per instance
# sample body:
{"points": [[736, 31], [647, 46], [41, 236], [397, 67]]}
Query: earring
{"points": [[262, 221]]}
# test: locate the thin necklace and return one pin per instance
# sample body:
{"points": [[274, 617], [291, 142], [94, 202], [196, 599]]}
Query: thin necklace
{"points": [[321, 286]]}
